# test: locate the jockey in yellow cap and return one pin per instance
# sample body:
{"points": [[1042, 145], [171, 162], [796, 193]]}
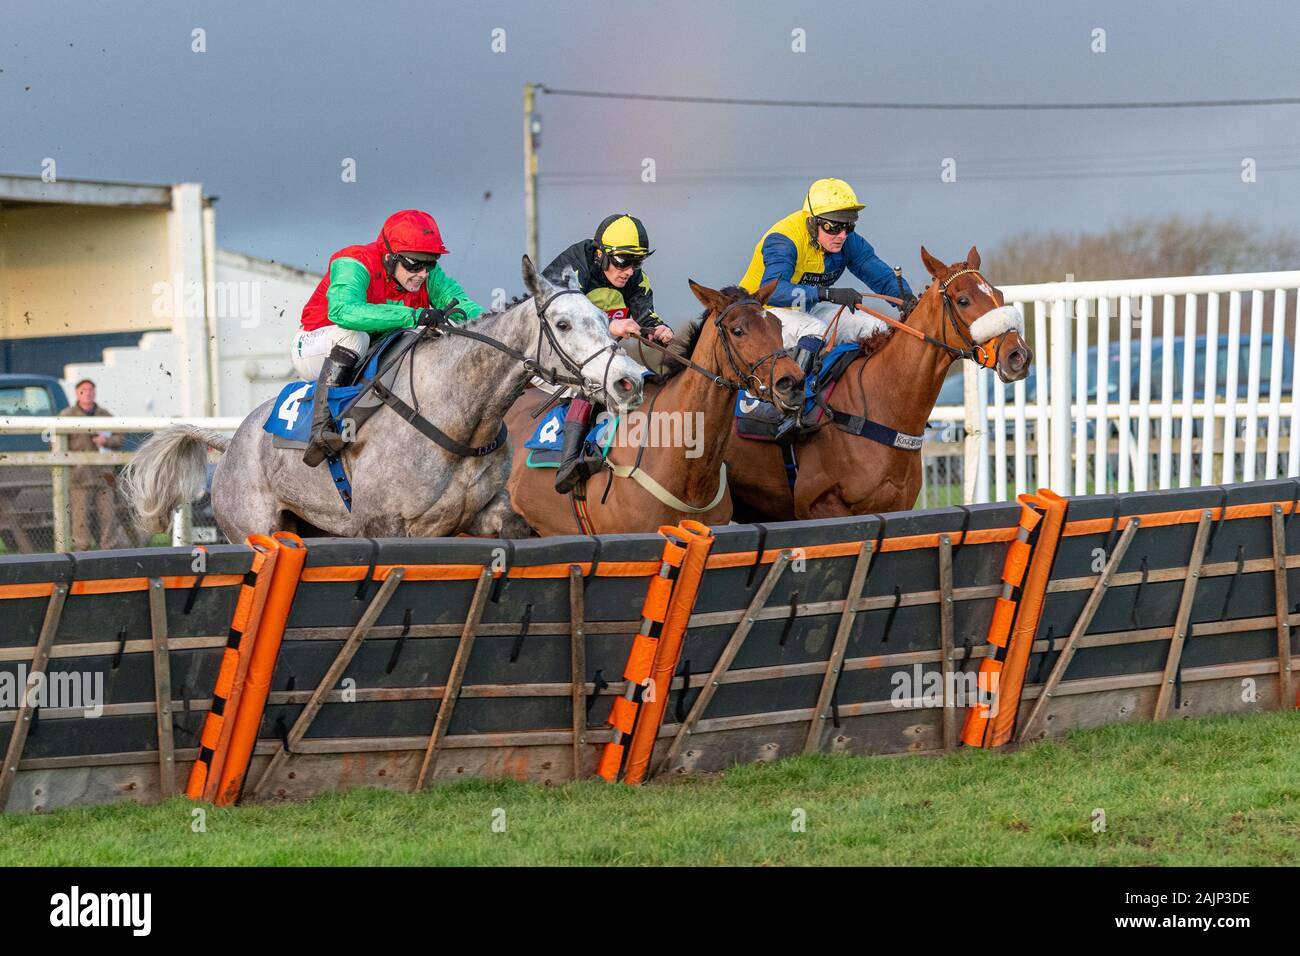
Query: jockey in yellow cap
{"points": [[809, 250]]}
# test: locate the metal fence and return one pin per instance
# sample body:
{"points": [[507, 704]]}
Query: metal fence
{"points": [[58, 500]]}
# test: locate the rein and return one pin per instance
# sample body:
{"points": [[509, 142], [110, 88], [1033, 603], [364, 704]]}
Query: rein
{"points": [[532, 364], [747, 378], [975, 352]]}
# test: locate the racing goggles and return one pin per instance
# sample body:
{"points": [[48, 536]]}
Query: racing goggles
{"points": [[417, 265], [626, 260], [832, 228]]}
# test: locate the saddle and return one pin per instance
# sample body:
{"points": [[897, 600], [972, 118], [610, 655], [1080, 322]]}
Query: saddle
{"points": [[290, 425], [758, 420]]}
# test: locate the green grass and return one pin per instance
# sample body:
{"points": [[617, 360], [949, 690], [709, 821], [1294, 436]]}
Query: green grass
{"points": [[1223, 791]]}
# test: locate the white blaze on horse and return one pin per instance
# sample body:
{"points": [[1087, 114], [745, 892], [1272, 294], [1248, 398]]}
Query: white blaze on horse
{"points": [[461, 383]]}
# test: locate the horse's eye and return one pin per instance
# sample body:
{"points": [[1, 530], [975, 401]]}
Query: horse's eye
{"points": [[563, 325], [738, 331], [963, 301]]}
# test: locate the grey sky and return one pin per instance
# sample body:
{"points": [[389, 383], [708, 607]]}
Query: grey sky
{"points": [[414, 93]]}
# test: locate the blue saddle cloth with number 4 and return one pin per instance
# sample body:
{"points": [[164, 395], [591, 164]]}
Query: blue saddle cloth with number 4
{"points": [[547, 440], [290, 417]]}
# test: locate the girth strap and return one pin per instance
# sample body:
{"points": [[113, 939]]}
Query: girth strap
{"points": [[432, 431], [864, 427]]}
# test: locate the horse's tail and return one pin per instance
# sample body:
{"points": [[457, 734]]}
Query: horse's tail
{"points": [[169, 470]]}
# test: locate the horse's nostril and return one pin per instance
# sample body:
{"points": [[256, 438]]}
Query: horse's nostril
{"points": [[785, 385], [625, 385]]}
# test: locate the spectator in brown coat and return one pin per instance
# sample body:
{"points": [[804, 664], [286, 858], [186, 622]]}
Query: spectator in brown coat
{"points": [[91, 492]]}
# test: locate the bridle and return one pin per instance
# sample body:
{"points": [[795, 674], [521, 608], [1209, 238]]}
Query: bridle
{"points": [[545, 332], [983, 354], [746, 379]]}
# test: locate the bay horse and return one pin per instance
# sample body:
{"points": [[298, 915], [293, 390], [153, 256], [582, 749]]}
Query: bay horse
{"points": [[462, 381], [736, 344], [894, 382]]}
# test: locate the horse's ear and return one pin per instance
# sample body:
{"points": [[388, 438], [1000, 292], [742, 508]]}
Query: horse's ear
{"points": [[709, 298], [932, 265], [973, 258], [536, 283], [767, 291]]}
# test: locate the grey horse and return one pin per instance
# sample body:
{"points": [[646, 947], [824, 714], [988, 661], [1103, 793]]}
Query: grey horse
{"points": [[403, 484]]}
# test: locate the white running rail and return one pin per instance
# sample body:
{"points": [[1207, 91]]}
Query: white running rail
{"points": [[1172, 421]]}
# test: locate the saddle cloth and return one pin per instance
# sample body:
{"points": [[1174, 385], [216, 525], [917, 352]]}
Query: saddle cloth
{"points": [[290, 420], [547, 440], [758, 420]]}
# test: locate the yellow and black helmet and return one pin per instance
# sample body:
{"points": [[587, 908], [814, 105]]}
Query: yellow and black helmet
{"points": [[621, 234]]}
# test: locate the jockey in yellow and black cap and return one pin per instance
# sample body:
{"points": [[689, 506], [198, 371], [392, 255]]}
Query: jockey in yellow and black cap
{"points": [[608, 270], [809, 250]]}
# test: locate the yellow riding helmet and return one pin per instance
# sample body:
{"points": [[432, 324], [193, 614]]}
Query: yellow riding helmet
{"points": [[623, 233], [832, 199]]}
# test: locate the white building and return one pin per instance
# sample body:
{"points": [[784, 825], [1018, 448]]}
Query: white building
{"points": [[122, 283]]}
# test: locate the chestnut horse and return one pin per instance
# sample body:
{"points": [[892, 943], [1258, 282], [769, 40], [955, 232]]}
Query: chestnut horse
{"points": [[735, 345], [895, 382]]}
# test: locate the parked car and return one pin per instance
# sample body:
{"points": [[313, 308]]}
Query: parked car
{"points": [[26, 511], [953, 393]]}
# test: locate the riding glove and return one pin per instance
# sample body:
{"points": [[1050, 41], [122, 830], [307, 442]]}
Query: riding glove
{"points": [[431, 318], [848, 297]]}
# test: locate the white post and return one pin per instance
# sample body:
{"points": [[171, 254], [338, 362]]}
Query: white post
{"points": [[182, 526], [975, 475], [1142, 473], [212, 322], [1061, 398], [1209, 423], [1081, 397], [1101, 462], [185, 239]]}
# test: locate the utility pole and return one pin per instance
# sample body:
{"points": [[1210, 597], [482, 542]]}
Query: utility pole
{"points": [[532, 139]]}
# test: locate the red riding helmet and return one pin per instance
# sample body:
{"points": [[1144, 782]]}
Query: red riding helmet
{"points": [[411, 231]]}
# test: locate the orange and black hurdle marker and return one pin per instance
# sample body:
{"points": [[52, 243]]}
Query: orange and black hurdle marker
{"points": [[636, 715]]}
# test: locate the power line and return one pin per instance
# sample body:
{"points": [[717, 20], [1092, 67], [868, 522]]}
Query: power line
{"points": [[670, 179], [881, 105], [984, 163]]}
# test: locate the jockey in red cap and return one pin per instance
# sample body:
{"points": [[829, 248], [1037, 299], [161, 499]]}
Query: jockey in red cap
{"points": [[392, 283]]}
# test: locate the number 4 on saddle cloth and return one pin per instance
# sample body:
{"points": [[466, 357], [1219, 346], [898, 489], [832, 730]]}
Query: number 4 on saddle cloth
{"points": [[545, 444], [289, 422]]}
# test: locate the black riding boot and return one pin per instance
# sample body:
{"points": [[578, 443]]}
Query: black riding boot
{"points": [[575, 464], [324, 439]]}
